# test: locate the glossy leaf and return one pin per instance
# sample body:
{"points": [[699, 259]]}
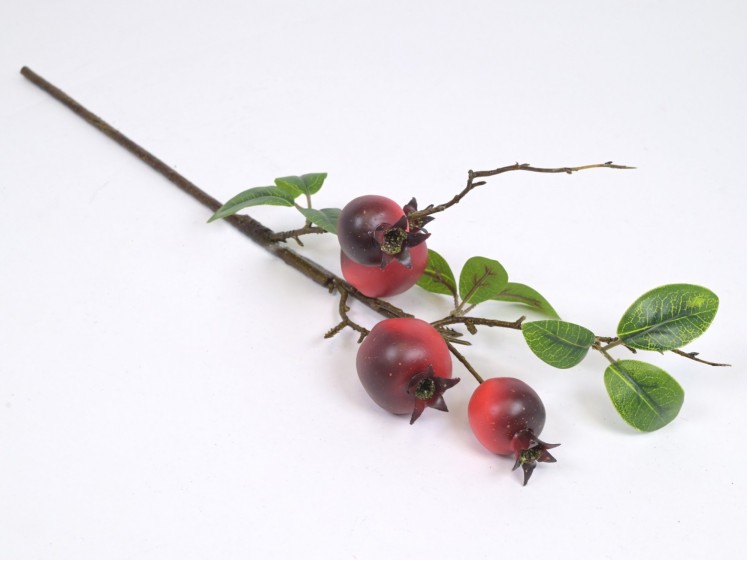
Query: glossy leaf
{"points": [[645, 396], [255, 196], [481, 279], [523, 294], [325, 218], [668, 317], [558, 343], [307, 184], [437, 276]]}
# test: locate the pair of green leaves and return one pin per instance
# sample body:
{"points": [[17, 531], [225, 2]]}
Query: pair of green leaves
{"points": [[663, 319], [481, 279], [284, 193]]}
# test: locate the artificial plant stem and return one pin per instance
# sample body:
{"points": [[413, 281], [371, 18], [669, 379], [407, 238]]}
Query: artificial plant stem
{"points": [[612, 344], [472, 175], [460, 357], [467, 320], [251, 228], [272, 241], [603, 351]]}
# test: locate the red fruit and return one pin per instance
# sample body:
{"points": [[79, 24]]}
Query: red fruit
{"points": [[405, 366], [374, 230], [507, 416], [393, 279]]}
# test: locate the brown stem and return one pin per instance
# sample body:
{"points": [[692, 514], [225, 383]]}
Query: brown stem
{"points": [[472, 175], [603, 351], [616, 341], [343, 309], [460, 357], [257, 232], [694, 356], [472, 321], [254, 230], [270, 240], [294, 234]]}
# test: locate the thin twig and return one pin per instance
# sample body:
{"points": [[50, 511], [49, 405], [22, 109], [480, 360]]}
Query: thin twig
{"points": [[601, 349], [601, 339], [613, 342], [694, 356], [616, 341], [294, 234], [465, 362], [472, 175], [472, 321], [343, 309]]}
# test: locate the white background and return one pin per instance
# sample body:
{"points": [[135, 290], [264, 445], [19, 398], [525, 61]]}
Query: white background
{"points": [[164, 386]]}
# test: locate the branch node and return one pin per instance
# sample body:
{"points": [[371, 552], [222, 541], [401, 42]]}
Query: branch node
{"points": [[343, 310]]}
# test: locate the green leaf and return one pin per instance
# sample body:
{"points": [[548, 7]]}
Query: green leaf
{"points": [[523, 294], [313, 181], [645, 396], [481, 279], [558, 343], [325, 218], [307, 184], [437, 276], [668, 317], [253, 197], [293, 185]]}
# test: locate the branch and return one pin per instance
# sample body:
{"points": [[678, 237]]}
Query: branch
{"points": [[612, 342], [295, 234], [470, 322], [346, 321], [472, 175], [271, 241], [254, 230], [693, 356], [460, 357]]}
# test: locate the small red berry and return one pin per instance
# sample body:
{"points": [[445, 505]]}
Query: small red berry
{"points": [[405, 366], [507, 416], [393, 279], [374, 230]]}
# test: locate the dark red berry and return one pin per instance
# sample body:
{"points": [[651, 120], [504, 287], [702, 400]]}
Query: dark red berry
{"points": [[507, 417], [393, 279], [374, 230], [405, 366]]}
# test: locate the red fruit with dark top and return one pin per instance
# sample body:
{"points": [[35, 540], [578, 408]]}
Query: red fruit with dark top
{"points": [[374, 230], [507, 416], [393, 279], [405, 366]]}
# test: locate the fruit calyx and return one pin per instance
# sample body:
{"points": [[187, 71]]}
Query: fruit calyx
{"points": [[529, 450], [428, 391], [395, 239], [416, 220]]}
